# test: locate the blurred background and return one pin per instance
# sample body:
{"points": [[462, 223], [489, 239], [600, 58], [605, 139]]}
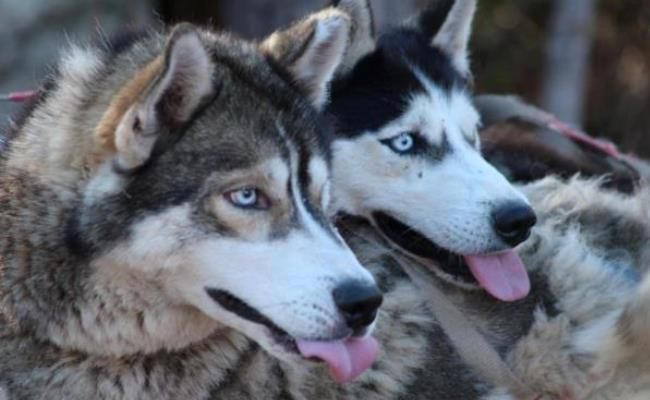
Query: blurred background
{"points": [[587, 61]]}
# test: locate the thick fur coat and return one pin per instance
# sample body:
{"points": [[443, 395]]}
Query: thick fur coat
{"points": [[164, 232], [78, 321]]}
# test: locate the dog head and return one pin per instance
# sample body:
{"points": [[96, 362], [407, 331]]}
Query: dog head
{"points": [[203, 202], [407, 152]]}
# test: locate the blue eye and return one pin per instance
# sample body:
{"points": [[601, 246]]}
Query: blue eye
{"points": [[401, 144], [248, 198]]}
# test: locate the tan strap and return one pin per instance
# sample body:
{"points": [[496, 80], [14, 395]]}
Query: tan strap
{"points": [[470, 344]]}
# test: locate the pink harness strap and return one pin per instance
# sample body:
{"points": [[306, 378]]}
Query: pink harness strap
{"points": [[19, 97], [581, 137]]}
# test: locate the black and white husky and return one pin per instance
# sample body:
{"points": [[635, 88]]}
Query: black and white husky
{"points": [[407, 165], [407, 156]]}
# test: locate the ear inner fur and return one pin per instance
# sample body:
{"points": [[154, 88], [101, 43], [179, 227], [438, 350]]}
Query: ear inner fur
{"points": [[120, 104], [453, 37], [311, 50], [161, 97]]}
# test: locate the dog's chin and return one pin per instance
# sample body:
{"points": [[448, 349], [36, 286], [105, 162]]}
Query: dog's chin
{"points": [[447, 265]]}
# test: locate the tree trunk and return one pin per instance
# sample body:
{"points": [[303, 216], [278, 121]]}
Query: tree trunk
{"points": [[567, 57]]}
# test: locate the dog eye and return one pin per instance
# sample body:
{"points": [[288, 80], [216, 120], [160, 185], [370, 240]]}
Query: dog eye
{"points": [[248, 198], [401, 144]]}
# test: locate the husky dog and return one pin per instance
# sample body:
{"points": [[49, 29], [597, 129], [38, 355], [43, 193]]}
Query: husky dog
{"points": [[165, 233], [407, 156], [407, 168]]}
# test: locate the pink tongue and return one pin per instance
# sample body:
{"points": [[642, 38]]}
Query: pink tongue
{"points": [[503, 275], [347, 359]]}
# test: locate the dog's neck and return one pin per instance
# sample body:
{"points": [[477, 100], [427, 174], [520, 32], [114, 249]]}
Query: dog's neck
{"points": [[209, 369], [124, 315]]}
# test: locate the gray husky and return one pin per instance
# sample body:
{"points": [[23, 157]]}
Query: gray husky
{"points": [[163, 208], [408, 176]]}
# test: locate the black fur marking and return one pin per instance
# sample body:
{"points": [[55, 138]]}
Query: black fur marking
{"points": [[432, 18], [304, 181], [379, 87], [230, 379], [147, 369], [239, 307], [122, 211], [73, 238], [414, 242], [284, 383]]}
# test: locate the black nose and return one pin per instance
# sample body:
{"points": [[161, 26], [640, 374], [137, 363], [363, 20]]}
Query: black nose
{"points": [[512, 221], [358, 302]]}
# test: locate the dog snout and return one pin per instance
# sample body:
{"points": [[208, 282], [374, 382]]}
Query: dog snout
{"points": [[358, 303], [512, 221]]}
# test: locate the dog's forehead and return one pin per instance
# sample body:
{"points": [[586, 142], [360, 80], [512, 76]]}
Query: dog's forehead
{"points": [[257, 115], [273, 143], [259, 98], [405, 49], [380, 88], [438, 111]]}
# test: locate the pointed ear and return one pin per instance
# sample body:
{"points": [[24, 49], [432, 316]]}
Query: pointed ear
{"points": [[312, 50], [431, 18], [159, 98], [453, 36], [362, 32]]}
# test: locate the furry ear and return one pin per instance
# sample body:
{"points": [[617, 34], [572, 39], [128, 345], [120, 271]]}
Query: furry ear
{"points": [[453, 36], [311, 50], [449, 24], [362, 32], [159, 98]]}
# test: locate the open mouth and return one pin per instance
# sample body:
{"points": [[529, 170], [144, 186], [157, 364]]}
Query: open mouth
{"points": [[502, 275], [237, 306], [346, 358], [449, 263]]}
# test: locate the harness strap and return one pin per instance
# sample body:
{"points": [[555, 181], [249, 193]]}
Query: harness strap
{"points": [[470, 344], [18, 97]]}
